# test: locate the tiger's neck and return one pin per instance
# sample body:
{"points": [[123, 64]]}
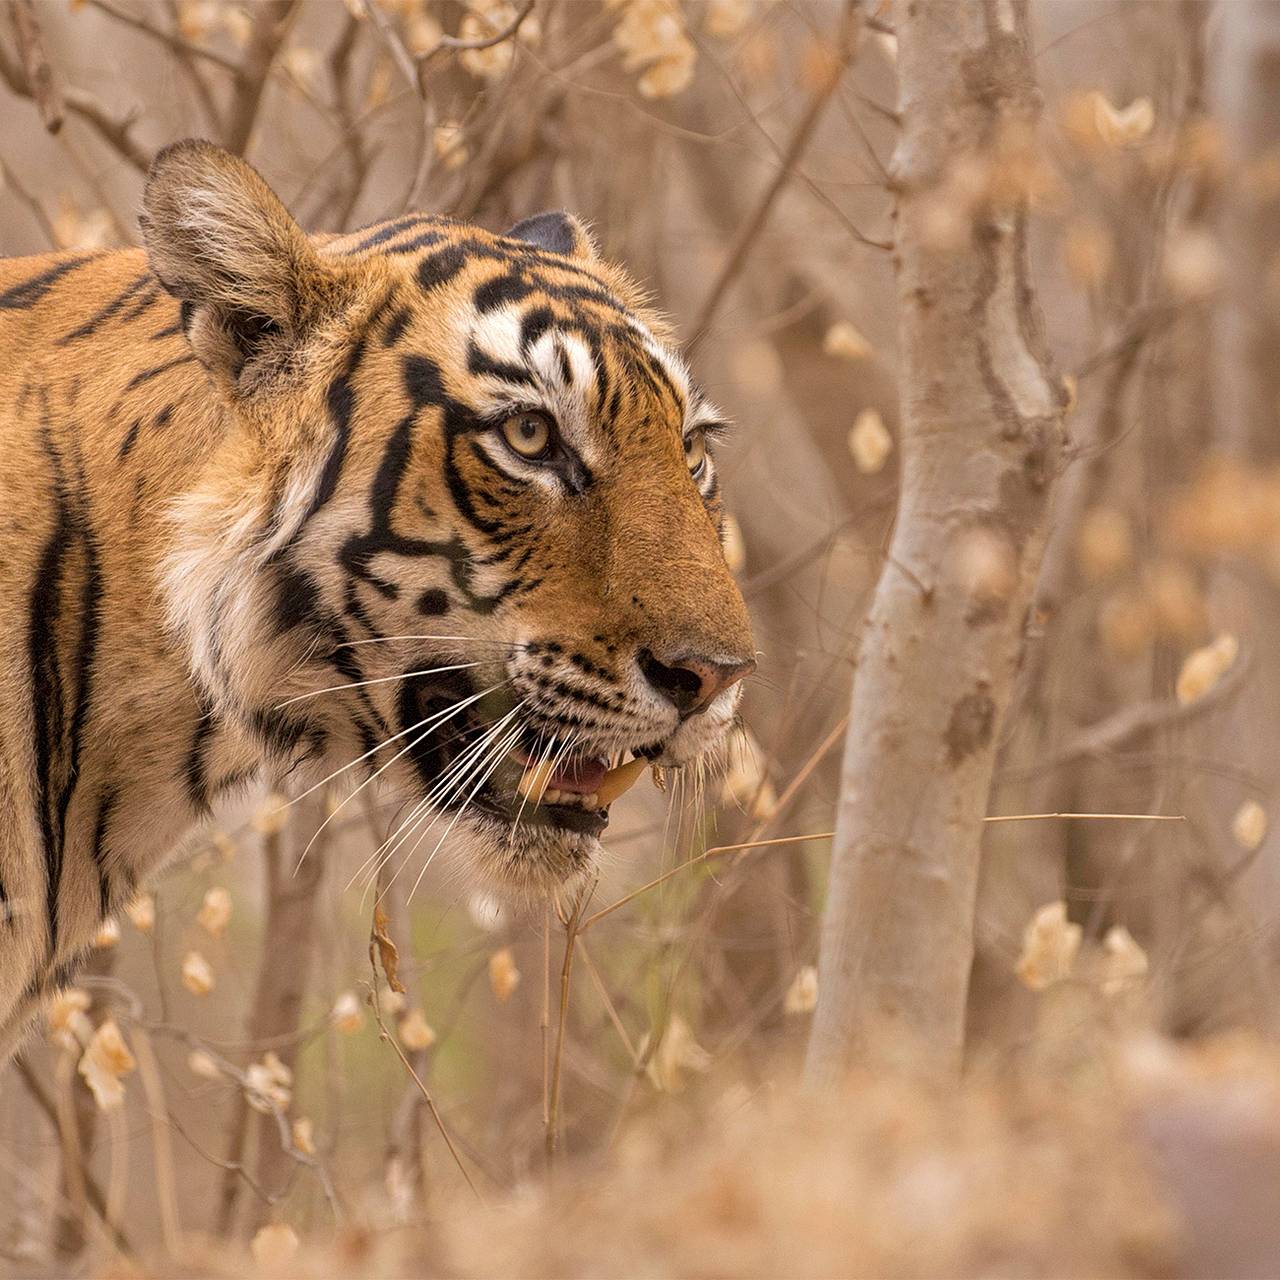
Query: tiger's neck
{"points": [[104, 432]]}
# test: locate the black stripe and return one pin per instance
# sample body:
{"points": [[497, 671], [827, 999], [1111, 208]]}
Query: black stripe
{"points": [[395, 330], [194, 768], [480, 363], [106, 803], [19, 297], [148, 299], [500, 291], [440, 267], [385, 231], [47, 710], [105, 313], [130, 439], [147, 374]]}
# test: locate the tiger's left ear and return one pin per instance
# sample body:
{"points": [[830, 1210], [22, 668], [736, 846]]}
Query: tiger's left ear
{"points": [[556, 232], [252, 285]]}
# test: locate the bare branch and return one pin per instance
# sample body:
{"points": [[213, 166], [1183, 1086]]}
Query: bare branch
{"points": [[88, 108], [170, 39], [270, 26], [749, 233], [35, 62], [508, 32]]}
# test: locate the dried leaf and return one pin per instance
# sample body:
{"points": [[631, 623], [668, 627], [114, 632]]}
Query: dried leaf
{"points": [[386, 949], [1249, 826], [1049, 947], [274, 1246], [304, 1136], [142, 913], [678, 1054], [108, 934], [1123, 126], [348, 1015], [1203, 668], [869, 442], [845, 342], [104, 1062], [268, 1084], [504, 977], [1124, 961], [204, 1065], [802, 994], [197, 975], [215, 912], [68, 1018], [415, 1033]]}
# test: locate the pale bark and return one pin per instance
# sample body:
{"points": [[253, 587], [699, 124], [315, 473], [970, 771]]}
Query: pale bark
{"points": [[981, 440]]}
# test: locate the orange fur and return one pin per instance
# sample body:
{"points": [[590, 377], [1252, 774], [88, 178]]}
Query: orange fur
{"points": [[215, 513]]}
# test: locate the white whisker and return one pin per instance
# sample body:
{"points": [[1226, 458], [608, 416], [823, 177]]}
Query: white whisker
{"points": [[360, 684]]}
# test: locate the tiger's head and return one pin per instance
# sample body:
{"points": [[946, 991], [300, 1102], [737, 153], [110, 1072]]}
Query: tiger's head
{"points": [[461, 523]]}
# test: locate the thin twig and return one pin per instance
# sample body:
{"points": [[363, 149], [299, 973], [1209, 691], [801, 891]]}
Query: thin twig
{"points": [[93, 1192], [750, 230], [385, 1034], [36, 64], [720, 851], [88, 108], [171, 39], [10, 181], [508, 32], [572, 926]]}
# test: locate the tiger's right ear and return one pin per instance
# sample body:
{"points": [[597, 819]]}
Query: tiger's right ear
{"points": [[220, 240]]}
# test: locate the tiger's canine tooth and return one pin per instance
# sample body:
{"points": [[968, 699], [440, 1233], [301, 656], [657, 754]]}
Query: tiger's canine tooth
{"points": [[618, 780], [533, 782]]}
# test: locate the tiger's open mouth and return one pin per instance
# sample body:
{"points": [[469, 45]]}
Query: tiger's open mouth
{"points": [[574, 792]]}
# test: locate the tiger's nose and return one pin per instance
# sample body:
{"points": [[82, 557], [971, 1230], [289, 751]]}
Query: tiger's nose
{"points": [[689, 681]]}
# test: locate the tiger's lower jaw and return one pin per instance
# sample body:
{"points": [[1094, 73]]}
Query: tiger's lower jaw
{"points": [[529, 863]]}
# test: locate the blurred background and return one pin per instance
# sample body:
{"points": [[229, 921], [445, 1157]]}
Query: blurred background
{"points": [[736, 156]]}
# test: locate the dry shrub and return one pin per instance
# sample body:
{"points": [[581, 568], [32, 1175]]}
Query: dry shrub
{"points": [[1014, 1174]]}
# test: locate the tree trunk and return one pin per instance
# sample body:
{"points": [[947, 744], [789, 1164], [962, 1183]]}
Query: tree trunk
{"points": [[981, 443]]}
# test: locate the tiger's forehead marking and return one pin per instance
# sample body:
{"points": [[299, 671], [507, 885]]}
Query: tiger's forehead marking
{"points": [[541, 328]]}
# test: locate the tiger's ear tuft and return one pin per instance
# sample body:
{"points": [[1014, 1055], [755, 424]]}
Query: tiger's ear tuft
{"points": [[220, 240], [556, 232]]}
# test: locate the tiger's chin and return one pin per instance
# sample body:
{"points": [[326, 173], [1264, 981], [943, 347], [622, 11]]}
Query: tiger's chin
{"points": [[529, 865]]}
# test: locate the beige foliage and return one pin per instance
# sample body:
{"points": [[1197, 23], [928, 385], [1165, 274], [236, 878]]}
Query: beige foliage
{"points": [[1204, 667], [504, 977], [197, 974], [870, 443], [802, 994], [1050, 944], [215, 911], [106, 1060], [274, 1247], [1249, 825]]}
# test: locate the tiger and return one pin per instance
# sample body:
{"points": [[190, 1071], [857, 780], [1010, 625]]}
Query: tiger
{"points": [[421, 504]]}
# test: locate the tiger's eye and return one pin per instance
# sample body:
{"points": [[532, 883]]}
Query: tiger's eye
{"points": [[695, 451], [529, 434]]}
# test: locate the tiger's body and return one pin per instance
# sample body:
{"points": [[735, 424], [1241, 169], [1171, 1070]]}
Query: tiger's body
{"points": [[269, 500]]}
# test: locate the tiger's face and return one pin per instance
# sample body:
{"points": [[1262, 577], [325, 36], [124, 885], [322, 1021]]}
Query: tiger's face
{"points": [[463, 528]]}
